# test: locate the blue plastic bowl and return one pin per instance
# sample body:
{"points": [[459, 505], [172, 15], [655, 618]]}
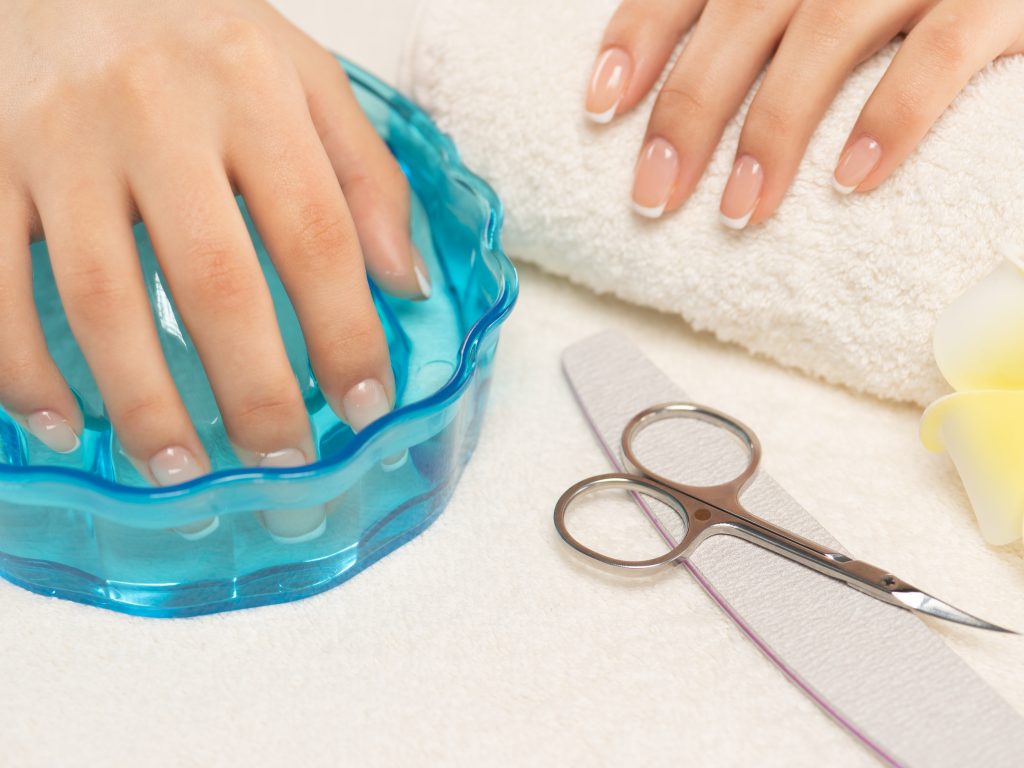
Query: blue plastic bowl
{"points": [[87, 527]]}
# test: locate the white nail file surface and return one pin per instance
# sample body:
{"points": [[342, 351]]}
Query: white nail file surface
{"points": [[878, 670]]}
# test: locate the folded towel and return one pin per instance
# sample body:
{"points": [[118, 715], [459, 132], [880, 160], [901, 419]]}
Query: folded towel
{"points": [[847, 289]]}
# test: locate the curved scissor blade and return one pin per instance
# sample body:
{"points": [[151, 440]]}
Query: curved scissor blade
{"points": [[925, 603]]}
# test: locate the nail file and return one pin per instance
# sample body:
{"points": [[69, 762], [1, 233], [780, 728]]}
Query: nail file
{"points": [[877, 670]]}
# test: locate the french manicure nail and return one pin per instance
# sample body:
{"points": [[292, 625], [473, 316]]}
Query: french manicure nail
{"points": [[656, 172], [292, 526], [419, 266], [176, 465], [742, 192], [856, 163], [53, 431], [366, 402], [198, 530], [289, 457], [608, 82]]}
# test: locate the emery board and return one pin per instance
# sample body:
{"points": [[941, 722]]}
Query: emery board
{"points": [[877, 670]]}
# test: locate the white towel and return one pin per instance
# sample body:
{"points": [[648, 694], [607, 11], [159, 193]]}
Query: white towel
{"points": [[847, 289]]}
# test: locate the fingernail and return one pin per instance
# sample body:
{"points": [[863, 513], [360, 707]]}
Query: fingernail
{"points": [[53, 431], [612, 71], [655, 177], [289, 457], [366, 402], [855, 164], [176, 465], [292, 526], [198, 530], [419, 266], [742, 192]]}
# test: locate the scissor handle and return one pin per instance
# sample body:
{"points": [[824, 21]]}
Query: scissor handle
{"points": [[723, 494], [695, 527]]}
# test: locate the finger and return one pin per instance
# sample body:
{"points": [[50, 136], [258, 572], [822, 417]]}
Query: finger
{"points": [[637, 44], [204, 248], [32, 389], [940, 55], [375, 188], [824, 42], [705, 88], [290, 188], [87, 222]]}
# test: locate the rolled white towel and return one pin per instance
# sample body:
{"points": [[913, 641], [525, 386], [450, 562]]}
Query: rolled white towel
{"points": [[845, 288]]}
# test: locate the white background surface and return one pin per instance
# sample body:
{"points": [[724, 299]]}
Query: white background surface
{"points": [[483, 642]]}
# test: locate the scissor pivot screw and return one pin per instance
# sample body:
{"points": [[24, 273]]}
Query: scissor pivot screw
{"points": [[702, 514], [889, 581]]}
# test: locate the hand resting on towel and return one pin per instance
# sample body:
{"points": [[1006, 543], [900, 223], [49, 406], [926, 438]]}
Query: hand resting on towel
{"points": [[846, 287], [813, 46]]}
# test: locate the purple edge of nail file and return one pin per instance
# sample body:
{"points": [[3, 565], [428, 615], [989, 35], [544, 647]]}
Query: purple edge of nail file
{"points": [[877, 670]]}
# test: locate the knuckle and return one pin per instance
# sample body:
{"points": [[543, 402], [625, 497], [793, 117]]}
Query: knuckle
{"points": [[143, 414], [768, 120], [681, 98], [946, 41], [274, 403], [139, 76], [93, 291], [636, 13], [825, 22], [363, 333], [323, 236], [216, 276], [739, 13], [243, 46], [351, 352], [382, 179]]}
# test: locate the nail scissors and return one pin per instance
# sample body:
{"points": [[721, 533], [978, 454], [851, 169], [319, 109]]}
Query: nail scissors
{"points": [[710, 510]]}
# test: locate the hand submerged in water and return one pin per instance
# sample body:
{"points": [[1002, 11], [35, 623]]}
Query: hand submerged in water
{"points": [[164, 110]]}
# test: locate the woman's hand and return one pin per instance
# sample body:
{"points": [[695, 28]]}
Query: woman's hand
{"points": [[813, 44], [164, 111]]}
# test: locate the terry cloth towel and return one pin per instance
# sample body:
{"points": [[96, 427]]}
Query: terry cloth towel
{"points": [[847, 289]]}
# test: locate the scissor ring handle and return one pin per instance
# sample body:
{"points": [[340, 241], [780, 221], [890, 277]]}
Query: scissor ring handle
{"points": [[730, 490], [620, 481]]}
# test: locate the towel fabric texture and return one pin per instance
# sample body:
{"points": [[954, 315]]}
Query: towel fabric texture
{"points": [[847, 289]]}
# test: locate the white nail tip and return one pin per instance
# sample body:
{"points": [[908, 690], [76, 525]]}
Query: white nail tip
{"points": [[194, 532], [648, 212], [72, 449], [842, 189], [425, 288], [602, 118], [286, 538], [397, 461], [732, 223], [286, 458], [53, 431]]}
